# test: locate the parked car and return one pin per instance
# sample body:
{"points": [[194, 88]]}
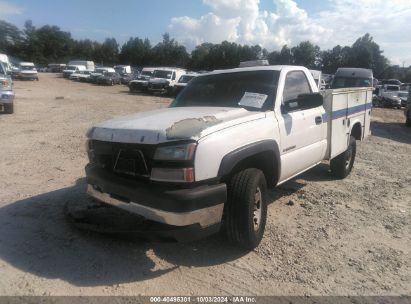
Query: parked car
{"points": [[6, 91], [70, 69], [56, 67], [164, 80], [352, 78], [109, 78], [99, 72], [27, 71], [204, 163], [182, 82], [389, 96], [140, 84]]}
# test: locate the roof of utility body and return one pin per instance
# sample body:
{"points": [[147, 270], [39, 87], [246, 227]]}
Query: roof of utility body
{"points": [[353, 72], [257, 68]]}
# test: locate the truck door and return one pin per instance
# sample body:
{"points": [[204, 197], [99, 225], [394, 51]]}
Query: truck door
{"points": [[303, 132]]}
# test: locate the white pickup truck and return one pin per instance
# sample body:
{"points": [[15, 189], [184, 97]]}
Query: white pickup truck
{"points": [[204, 164]]}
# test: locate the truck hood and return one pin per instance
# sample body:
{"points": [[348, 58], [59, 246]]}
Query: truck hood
{"points": [[171, 124]]}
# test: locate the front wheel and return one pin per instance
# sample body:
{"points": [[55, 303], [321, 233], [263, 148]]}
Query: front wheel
{"points": [[245, 212], [342, 165]]}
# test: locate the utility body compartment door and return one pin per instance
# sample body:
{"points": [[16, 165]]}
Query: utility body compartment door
{"points": [[346, 107]]}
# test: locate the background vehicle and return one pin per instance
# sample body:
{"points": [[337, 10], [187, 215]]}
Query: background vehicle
{"points": [[99, 72], [205, 163], [140, 84], [56, 67], [109, 78], [27, 71], [182, 82], [70, 69], [6, 91], [7, 67], [389, 96], [164, 80], [352, 78], [88, 64]]}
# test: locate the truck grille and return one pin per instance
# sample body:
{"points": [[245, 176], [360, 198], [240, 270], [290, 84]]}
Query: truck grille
{"points": [[131, 160]]}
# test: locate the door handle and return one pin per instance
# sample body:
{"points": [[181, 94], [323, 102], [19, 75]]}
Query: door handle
{"points": [[318, 120]]}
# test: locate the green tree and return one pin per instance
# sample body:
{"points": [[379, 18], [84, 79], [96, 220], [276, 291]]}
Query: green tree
{"points": [[306, 54]]}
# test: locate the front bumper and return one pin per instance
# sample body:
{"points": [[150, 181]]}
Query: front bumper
{"points": [[6, 97], [202, 206]]}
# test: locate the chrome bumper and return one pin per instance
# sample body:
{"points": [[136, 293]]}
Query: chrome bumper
{"points": [[204, 217]]}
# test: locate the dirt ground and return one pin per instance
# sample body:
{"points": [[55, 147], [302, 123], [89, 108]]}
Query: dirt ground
{"points": [[323, 236]]}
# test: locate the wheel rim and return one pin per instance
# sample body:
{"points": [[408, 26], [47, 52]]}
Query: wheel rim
{"points": [[257, 209]]}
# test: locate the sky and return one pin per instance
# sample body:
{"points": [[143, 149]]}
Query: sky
{"points": [[269, 23]]}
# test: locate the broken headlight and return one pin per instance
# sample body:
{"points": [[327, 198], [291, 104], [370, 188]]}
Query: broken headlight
{"points": [[175, 152]]}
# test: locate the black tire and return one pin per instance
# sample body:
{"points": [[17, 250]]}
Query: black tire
{"points": [[244, 217], [408, 119], [342, 165], [9, 108]]}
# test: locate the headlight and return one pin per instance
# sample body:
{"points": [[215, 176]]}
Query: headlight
{"points": [[177, 152]]}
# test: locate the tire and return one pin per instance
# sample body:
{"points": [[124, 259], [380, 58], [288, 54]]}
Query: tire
{"points": [[9, 108], [408, 120], [342, 165], [245, 213]]}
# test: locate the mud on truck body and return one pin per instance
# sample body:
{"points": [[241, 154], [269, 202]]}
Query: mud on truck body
{"points": [[204, 164]]}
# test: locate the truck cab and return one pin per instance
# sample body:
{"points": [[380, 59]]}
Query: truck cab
{"points": [[205, 163]]}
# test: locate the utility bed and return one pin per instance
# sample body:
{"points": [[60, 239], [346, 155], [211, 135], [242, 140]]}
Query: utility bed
{"points": [[345, 107]]}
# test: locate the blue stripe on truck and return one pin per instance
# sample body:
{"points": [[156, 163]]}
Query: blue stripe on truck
{"points": [[347, 112]]}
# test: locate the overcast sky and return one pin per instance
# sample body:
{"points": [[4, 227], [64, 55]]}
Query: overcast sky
{"points": [[270, 23]]}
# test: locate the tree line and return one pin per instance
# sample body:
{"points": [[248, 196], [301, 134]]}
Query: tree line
{"points": [[50, 44]]}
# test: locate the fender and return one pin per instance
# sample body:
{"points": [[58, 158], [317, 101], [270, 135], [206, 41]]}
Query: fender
{"points": [[230, 160]]}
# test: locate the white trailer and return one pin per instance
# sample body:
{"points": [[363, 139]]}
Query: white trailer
{"points": [[88, 64]]}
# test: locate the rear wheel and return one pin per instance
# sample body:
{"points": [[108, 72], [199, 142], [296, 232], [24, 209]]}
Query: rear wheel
{"points": [[245, 212], [342, 165]]}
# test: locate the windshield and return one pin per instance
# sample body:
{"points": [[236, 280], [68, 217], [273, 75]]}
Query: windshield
{"points": [[71, 67], [186, 78], [119, 69], [393, 88], [251, 90], [146, 73], [99, 70], [349, 82], [27, 68], [162, 74]]}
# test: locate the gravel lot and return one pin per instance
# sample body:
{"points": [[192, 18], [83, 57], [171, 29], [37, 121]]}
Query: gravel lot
{"points": [[323, 237]]}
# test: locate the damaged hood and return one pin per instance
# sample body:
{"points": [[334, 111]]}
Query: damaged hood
{"points": [[170, 124]]}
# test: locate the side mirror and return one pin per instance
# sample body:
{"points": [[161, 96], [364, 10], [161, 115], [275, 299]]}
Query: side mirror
{"points": [[304, 102]]}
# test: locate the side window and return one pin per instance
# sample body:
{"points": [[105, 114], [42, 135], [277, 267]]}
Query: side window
{"points": [[174, 76], [296, 83]]}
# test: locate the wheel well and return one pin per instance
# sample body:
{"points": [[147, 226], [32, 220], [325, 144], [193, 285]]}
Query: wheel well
{"points": [[356, 131], [264, 161]]}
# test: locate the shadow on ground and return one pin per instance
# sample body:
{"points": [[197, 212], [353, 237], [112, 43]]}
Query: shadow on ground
{"points": [[393, 131], [36, 238]]}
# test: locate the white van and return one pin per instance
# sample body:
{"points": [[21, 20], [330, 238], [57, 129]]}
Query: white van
{"points": [[27, 70]]}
